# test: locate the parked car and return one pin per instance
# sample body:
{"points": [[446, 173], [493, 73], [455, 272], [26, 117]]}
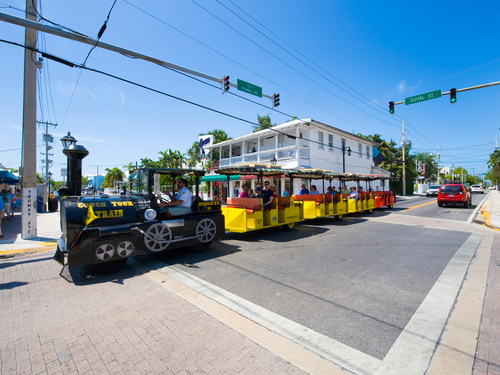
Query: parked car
{"points": [[477, 189], [454, 193], [432, 191]]}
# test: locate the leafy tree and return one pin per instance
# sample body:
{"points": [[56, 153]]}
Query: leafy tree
{"points": [[112, 176], [264, 123], [148, 163], [39, 179], [129, 167], [429, 161]]}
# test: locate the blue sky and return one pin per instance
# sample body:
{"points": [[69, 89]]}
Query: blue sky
{"points": [[352, 58]]}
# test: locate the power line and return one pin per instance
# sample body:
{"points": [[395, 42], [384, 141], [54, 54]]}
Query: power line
{"points": [[291, 67]]}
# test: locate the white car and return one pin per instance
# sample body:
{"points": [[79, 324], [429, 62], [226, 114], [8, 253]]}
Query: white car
{"points": [[432, 191], [477, 189]]}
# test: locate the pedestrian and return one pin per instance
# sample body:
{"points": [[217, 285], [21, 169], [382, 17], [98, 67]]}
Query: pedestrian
{"points": [[6, 202], [236, 190], [13, 200], [2, 208]]}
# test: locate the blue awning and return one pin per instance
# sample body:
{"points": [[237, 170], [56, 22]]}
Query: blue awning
{"points": [[8, 178]]}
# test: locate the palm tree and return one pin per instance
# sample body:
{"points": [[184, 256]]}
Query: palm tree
{"points": [[264, 123], [112, 176], [129, 167], [147, 163]]}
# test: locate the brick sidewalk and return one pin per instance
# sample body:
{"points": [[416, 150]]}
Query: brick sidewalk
{"points": [[488, 349], [122, 323]]}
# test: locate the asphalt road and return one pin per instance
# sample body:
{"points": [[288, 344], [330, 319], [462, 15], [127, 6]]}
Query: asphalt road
{"points": [[356, 281], [431, 210]]}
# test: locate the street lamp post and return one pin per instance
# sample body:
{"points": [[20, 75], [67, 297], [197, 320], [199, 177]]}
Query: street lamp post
{"points": [[343, 155], [75, 153]]}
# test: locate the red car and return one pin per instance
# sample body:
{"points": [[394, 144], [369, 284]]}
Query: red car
{"points": [[454, 193]]}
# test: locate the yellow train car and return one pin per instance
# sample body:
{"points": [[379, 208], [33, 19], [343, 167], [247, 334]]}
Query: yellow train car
{"points": [[249, 214]]}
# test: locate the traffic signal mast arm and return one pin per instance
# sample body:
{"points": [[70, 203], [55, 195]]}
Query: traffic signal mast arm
{"points": [[98, 43], [462, 90]]}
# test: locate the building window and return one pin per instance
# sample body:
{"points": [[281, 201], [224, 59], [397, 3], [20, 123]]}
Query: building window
{"points": [[320, 139], [368, 152], [330, 142], [360, 150]]}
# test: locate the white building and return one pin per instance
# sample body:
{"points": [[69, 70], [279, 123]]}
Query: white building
{"points": [[301, 144]]}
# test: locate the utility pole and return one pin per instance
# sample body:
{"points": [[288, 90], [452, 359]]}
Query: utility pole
{"points": [[28, 222], [439, 172], [453, 170], [404, 160], [47, 138]]}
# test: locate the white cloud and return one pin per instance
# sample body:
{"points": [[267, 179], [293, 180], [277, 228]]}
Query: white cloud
{"points": [[122, 95], [401, 86]]}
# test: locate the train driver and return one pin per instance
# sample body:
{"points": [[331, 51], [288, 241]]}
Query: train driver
{"points": [[180, 204]]}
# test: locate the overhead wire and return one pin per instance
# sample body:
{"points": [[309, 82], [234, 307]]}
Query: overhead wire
{"points": [[295, 57], [291, 67], [243, 66]]}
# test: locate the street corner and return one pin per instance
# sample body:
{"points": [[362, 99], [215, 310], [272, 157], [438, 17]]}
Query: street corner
{"points": [[39, 247]]}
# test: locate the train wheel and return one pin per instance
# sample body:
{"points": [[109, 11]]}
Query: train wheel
{"points": [[125, 249], [390, 206], [339, 217], [289, 227], [105, 252], [155, 237], [202, 246], [369, 211], [206, 230], [109, 267]]}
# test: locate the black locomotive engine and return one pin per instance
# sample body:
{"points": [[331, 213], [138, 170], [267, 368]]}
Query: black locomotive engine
{"points": [[104, 231]]}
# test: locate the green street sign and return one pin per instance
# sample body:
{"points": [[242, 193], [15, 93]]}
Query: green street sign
{"points": [[249, 88], [423, 97]]}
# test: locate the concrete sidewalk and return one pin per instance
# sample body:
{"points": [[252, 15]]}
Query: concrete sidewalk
{"points": [[142, 322]]}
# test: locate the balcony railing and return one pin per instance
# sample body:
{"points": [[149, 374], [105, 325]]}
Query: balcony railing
{"points": [[265, 156]]}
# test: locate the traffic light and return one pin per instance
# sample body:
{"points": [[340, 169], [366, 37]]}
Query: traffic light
{"points": [[276, 100], [391, 108], [453, 96], [225, 84]]}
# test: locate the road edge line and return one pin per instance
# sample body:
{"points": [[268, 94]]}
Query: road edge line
{"points": [[293, 352]]}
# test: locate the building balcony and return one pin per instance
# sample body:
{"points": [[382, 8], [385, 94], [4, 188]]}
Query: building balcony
{"points": [[284, 155]]}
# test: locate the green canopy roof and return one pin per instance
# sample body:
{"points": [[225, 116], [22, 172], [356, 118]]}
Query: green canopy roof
{"points": [[212, 178]]}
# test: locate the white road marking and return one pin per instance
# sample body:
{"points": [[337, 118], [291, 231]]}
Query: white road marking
{"points": [[413, 349]]}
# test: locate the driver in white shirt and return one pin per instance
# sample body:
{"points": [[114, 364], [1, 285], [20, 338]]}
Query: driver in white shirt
{"points": [[181, 203]]}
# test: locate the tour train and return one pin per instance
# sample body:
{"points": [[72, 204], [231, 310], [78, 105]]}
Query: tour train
{"points": [[104, 231], [248, 214]]}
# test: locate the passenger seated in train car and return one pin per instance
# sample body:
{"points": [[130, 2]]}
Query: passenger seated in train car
{"points": [[180, 204], [354, 194], [268, 196], [376, 188], [345, 190], [360, 189], [304, 190], [274, 190], [331, 190], [251, 193], [314, 191], [258, 192], [244, 191]]}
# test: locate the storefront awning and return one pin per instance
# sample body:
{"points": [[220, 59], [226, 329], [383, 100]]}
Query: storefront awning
{"points": [[8, 178]]}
